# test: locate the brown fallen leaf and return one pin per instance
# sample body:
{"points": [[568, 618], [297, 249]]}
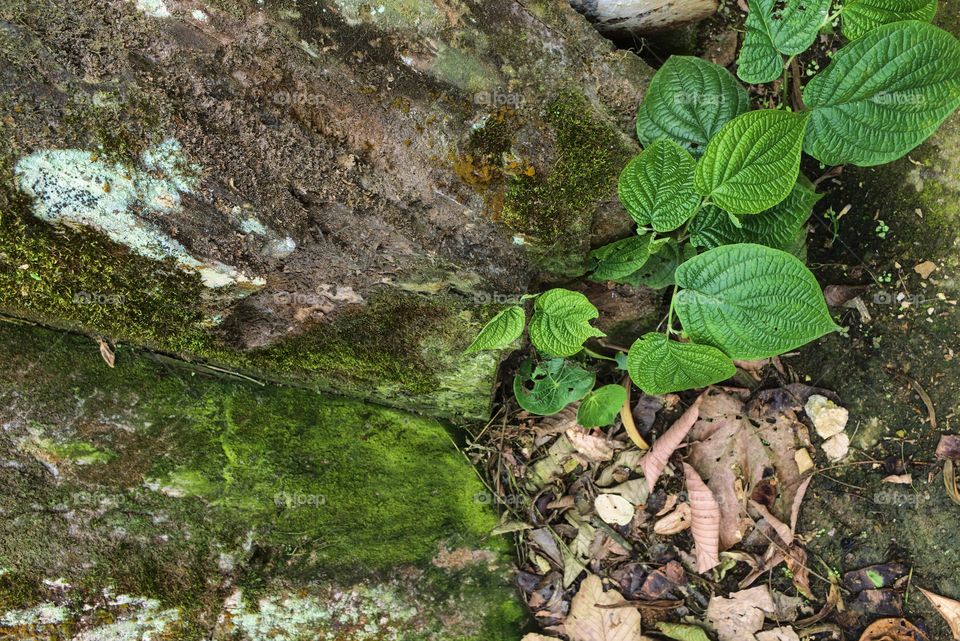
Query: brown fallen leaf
{"points": [[892, 630], [533, 636], [675, 522], [796, 559], [705, 520], [778, 634], [949, 609], [739, 616], [657, 458], [595, 449], [589, 620], [107, 353], [925, 268], [735, 448]]}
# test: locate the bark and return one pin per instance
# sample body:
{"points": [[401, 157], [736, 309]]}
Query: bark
{"points": [[324, 192]]}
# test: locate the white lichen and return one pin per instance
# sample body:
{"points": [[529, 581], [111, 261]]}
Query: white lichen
{"points": [[153, 8], [73, 187], [141, 619], [43, 614]]}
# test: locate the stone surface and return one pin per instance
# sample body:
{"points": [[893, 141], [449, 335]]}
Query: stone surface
{"points": [[855, 518], [333, 193], [150, 502]]}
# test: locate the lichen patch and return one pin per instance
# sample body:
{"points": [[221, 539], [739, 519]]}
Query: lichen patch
{"points": [[75, 188]]}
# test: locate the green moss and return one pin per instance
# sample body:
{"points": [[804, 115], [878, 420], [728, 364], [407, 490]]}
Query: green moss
{"points": [[556, 210], [315, 486]]}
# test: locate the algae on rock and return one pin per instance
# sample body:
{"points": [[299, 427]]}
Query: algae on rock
{"points": [[158, 499]]}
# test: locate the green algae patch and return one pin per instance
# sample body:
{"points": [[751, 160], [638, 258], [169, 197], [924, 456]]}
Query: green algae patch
{"points": [[215, 488], [557, 209]]}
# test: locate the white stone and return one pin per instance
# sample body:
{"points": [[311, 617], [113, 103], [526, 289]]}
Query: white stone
{"points": [[827, 417]]}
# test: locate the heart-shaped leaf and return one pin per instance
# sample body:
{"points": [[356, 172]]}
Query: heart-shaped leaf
{"points": [[777, 227], [550, 386], [601, 406], [656, 187], [658, 365], [750, 301], [620, 258], [883, 94], [689, 100], [861, 16], [503, 329], [657, 272], [561, 322], [753, 162], [776, 28]]}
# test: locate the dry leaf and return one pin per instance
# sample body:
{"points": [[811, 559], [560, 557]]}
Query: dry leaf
{"points": [[533, 636], [778, 634], [892, 630], [107, 353], [675, 522], [595, 449], [705, 520], [634, 491], [796, 559], [899, 479], [735, 448], [925, 268], [588, 622], [949, 609], [657, 458], [739, 616], [614, 509]]}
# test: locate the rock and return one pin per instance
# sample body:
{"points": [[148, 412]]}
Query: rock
{"points": [[828, 418], [836, 447], [330, 196], [147, 502], [634, 17]]}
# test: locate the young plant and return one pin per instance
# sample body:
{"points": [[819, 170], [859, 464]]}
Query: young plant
{"points": [[720, 204]]}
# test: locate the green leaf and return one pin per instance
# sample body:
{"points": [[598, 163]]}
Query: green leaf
{"points": [[682, 632], [861, 16], [753, 163], [750, 301], [883, 94], [777, 227], [601, 406], [776, 28], [503, 329], [658, 365], [620, 258], [551, 386], [688, 101], [658, 271], [656, 187], [561, 322]]}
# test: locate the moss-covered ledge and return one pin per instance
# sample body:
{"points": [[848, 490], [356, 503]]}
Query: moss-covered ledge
{"points": [[147, 499]]}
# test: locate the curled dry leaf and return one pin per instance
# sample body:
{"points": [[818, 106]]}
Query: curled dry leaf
{"points": [[949, 609], [614, 509], [675, 522], [657, 458], [591, 620], [107, 353], [893, 630], [705, 520]]}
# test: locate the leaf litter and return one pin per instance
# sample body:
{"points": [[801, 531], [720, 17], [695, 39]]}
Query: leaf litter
{"points": [[665, 523]]}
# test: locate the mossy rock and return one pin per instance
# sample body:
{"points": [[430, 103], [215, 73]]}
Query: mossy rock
{"points": [[147, 498]]}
